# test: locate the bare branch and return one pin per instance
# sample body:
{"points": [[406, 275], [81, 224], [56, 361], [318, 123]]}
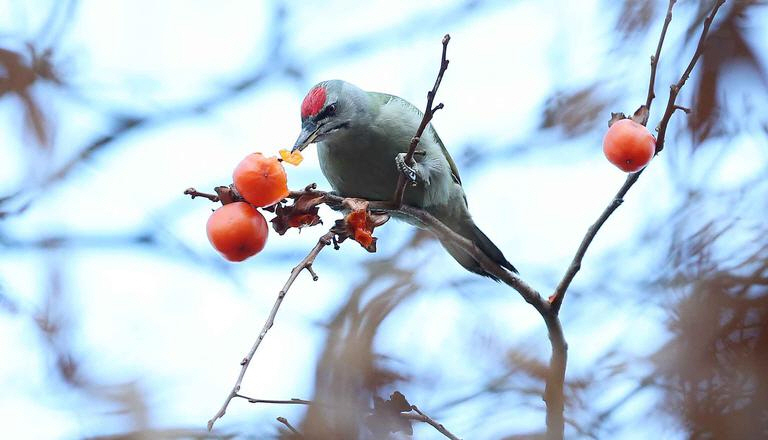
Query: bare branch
{"points": [[195, 193], [674, 89], [618, 199], [562, 287], [419, 416], [324, 241], [438, 426], [556, 375], [293, 401], [429, 111], [655, 57], [285, 422]]}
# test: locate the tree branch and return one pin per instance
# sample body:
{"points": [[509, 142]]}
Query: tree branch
{"points": [[674, 89], [285, 422], [429, 111], [556, 375], [293, 401], [573, 268], [306, 263], [438, 426], [655, 57], [420, 416], [617, 200]]}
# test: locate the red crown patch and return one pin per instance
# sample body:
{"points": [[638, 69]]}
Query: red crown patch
{"points": [[313, 102]]}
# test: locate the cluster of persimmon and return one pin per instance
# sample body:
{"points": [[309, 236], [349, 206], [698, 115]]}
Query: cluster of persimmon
{"points": [[238, 230]]}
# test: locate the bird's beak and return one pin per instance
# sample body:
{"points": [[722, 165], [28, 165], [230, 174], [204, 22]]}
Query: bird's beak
{"points": [[309, 131]]}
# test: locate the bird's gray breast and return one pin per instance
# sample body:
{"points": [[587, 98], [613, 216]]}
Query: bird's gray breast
{"points": [[360, 164]]}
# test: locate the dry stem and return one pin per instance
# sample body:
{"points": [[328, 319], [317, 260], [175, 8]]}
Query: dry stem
{"points": [[306, 263], [429, 111]]}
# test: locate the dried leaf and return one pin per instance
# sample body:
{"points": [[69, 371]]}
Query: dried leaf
{"points": [[399, 402], [641, 115], [615, 117], [303, 212], [387, 416], [574, 112], [634, 16], [19, 78], [727, 45]]}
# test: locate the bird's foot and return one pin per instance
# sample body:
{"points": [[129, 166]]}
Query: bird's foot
{"points": [[407, 171]]}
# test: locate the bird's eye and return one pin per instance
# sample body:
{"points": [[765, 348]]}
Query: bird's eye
{"points": [[331, 109]]}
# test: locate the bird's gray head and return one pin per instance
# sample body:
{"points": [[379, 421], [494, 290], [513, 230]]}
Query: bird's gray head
{"points": [[329, 110]]}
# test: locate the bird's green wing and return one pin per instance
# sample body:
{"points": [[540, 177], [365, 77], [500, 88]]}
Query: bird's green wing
{"points": [[383, 98], [454, 170]]}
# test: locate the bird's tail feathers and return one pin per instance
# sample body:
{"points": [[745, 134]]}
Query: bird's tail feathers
{"points": [[491, 250], [470, 231]]}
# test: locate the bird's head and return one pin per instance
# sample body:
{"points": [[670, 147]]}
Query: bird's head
{"points": [[330, 109]]}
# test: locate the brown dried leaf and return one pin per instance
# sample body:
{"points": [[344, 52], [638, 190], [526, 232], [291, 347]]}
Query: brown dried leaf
{"points": [[303, 212], [387, 416], [574, 112], [615, 117], [727, 45], [19, 78], [634, 16], [641, 115]]}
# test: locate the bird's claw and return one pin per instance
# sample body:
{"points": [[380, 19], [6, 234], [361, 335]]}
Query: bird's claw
{"points": [[407, 171]]}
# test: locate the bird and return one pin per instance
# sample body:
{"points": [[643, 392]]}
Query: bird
{"points": [[362, 139]]}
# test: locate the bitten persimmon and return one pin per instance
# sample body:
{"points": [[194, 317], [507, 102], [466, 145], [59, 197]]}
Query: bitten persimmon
{"points": [[292, 157], [361, 229], [628, 145], [261, 180], [237, 230]]}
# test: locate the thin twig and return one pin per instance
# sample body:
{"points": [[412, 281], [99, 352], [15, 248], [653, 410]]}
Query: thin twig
{"points": [[618, 199], [293, 401], [435, 424], [429, 111], [420, 416], [655, 57], [284, 421], [674, 89], [195, 193], [324, 241]]}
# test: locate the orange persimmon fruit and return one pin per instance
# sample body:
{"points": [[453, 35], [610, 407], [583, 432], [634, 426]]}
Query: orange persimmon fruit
{"points": [[292, 157], [261, 180], [628, 145], [237, 230]]}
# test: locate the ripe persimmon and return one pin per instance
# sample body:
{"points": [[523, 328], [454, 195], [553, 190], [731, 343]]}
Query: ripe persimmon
{"points": [[237, 230], [261, 180], [629, 145]]}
